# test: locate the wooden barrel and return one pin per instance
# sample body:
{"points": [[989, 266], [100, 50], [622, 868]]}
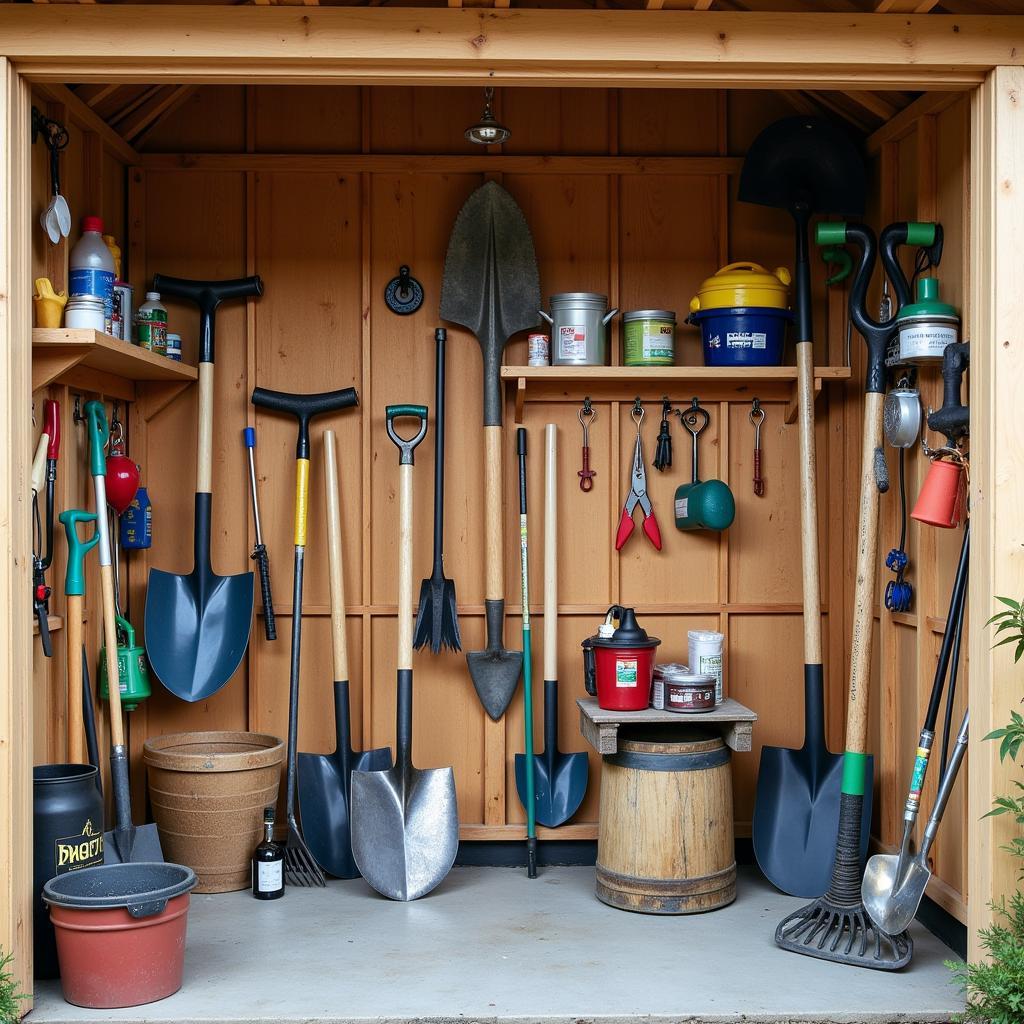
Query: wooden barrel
{"points": [[665, 844]]}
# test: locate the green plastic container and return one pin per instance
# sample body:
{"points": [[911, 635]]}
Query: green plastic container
{"points": [[649, 338]]}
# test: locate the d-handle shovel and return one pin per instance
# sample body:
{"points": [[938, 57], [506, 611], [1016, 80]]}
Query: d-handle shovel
{"points": [[892, 896], [405, 821]]}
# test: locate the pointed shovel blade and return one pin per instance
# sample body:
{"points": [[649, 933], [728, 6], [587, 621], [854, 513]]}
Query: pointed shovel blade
{"points": [[557, 794]]}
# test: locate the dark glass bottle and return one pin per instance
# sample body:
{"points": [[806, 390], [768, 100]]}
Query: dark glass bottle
{"points": [[268, 863]]}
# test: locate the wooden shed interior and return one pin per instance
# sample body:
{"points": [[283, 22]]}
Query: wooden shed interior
{"points": [[325, 191]]}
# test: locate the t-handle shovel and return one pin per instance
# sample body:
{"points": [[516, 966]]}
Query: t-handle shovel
{"points": [[559, 780], [126, 842], [300, 867], [491, 286], [197, 625], [325, 780], [405, 821]]}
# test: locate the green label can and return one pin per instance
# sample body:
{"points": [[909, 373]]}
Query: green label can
{"points": [[649, 338]]}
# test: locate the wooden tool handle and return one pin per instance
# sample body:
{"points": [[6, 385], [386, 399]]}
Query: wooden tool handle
{"points": [[405, 606], [204, 446], [76, 713], [494, 588], [551, 551], [867, 570], [809, 505], [337, 566], [110, 642]]}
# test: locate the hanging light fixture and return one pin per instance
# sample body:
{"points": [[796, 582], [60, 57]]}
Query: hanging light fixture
{"points": [[487, 131]]}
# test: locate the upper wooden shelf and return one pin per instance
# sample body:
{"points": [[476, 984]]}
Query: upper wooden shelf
{"points": [[98, 362], [651, 383]]}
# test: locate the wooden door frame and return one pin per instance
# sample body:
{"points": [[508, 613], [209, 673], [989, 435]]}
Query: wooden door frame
{"points": [[58, 43]]}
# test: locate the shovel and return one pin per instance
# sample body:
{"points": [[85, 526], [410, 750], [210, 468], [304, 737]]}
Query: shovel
{"points": [[491, 286], [325, 780], [806, 166], [126, 842], [559, 780], [891, 896], [197, 625], [405, 820]]}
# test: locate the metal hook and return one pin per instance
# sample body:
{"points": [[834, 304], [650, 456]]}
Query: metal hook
{"points": [[756, 414], [76, 413], [587, 411], [637, 412], [689, 418]]}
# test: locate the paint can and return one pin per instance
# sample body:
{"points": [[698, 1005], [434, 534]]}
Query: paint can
{"points": [[579, 328], [689, 694], [539, 347], [85, 311], [706, 656], [671, 670], [649, 337], [927, 326]]}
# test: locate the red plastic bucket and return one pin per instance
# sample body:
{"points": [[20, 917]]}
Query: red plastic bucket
{"points": [[120, 932]]}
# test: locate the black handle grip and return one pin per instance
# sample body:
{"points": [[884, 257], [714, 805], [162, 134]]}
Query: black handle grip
{"points": [[304, 408], [207, 295], [953, 419], [262, 560], [876, 334]]}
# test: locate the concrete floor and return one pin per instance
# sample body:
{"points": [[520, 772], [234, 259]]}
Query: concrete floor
{"points": [[491, 945]]}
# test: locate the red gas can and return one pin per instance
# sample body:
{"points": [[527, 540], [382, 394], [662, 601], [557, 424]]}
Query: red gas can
{"points": [[618, 664]]}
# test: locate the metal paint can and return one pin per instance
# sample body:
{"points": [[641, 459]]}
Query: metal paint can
{"points": [[539, 347], [579, 328], [706, 656], [85, 311], [649, 337], [927, 326], [671, 670], [690, 694]]}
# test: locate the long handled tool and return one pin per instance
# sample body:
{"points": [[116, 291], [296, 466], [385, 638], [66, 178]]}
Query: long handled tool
{"points": [[804, 166], [529, 765], [437, 620], [325, 780], [74, 591], [405, 821], [126, 842], [259, 552], [300, 867], [491, 286], [560, 780], [44, 474], [836, 927], [893, 894], [197, 625]]}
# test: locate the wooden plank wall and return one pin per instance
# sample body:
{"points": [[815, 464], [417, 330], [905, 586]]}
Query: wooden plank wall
{"points": [[326, 241]]}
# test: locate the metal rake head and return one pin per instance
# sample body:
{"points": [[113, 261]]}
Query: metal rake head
{"points": [[844, 934], [299, 866]]}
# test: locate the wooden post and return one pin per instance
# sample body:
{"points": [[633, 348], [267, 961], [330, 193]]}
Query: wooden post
{"points": [[15, 607], [997, 469]]}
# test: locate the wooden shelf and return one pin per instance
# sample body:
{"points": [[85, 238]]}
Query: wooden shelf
{"points": [[624, 383], [98, 362]]}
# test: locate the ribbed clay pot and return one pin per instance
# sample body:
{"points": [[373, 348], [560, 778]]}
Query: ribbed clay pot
{"points": [[208, 791]]}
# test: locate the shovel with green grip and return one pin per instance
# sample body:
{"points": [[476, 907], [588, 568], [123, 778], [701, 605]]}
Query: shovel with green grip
{"points": [[74, 591]]}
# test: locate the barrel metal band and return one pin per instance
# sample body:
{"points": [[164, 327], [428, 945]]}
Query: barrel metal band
{"points": [[696, 762], [703, 885]]}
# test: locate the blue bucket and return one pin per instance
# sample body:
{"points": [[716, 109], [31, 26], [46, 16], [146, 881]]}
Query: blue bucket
{"points": [[742, 336]]}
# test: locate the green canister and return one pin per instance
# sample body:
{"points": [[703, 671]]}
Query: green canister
{"points": [[649, 337]]}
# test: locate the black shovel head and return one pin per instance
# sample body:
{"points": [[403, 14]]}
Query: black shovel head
{"points": [[796, 817], [558, 789], [804, 162], [324, 799]]}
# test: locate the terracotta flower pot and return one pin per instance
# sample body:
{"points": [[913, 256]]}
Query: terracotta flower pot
{"points": [[208, 791]]}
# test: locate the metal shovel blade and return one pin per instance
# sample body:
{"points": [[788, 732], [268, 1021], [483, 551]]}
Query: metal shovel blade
{"points": [[405, 829], [325, 793], [197, 629], [495, 672], [892, 902], [796, 810], [125, 843]]}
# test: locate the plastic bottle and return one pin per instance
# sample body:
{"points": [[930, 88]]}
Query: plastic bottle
{"points": [[91, 267], [151, 324], [137, 522]]}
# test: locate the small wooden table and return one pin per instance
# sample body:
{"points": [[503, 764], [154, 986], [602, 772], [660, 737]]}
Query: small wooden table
{"points": [[601, 728]]}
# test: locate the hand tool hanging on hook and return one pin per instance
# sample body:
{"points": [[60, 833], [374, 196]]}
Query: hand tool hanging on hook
{"points": [[638, 490], [259, 549], [663, 450], [44, 473], [586, 416], [757, 418]]}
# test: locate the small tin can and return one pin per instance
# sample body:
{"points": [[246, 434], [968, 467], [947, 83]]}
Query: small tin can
{"points": [[85, 311], [540, 350], [690, 693], [649, 337], [174, 347], [671, 670]]}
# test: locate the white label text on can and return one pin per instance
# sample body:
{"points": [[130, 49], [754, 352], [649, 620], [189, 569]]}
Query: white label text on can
{"points": [[572, 341], [626, 673], [659, 341], [682, 507], [658, 694], [926, 340], [711, 664], [746, 339]]}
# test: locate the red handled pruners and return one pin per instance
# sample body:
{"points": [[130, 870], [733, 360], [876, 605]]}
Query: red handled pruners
{"points": [[638, 491]]}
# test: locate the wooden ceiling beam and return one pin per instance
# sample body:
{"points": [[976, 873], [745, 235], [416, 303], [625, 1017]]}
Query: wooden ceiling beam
{"points": [[89, 120], [168, 97], [905, 121], [93, 94], [904, 6], [874, 104], [118, 115]]}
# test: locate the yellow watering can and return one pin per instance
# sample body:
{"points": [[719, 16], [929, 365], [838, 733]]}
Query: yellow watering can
{"points": [[49, 305]]}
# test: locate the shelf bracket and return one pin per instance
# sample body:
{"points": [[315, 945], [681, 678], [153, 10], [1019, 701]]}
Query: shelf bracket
{"points": [[793, 406], [53, 363], [520, 398], [153, 397]]}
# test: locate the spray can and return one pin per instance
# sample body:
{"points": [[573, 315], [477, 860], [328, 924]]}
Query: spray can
{"points": [[137, 522]]}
